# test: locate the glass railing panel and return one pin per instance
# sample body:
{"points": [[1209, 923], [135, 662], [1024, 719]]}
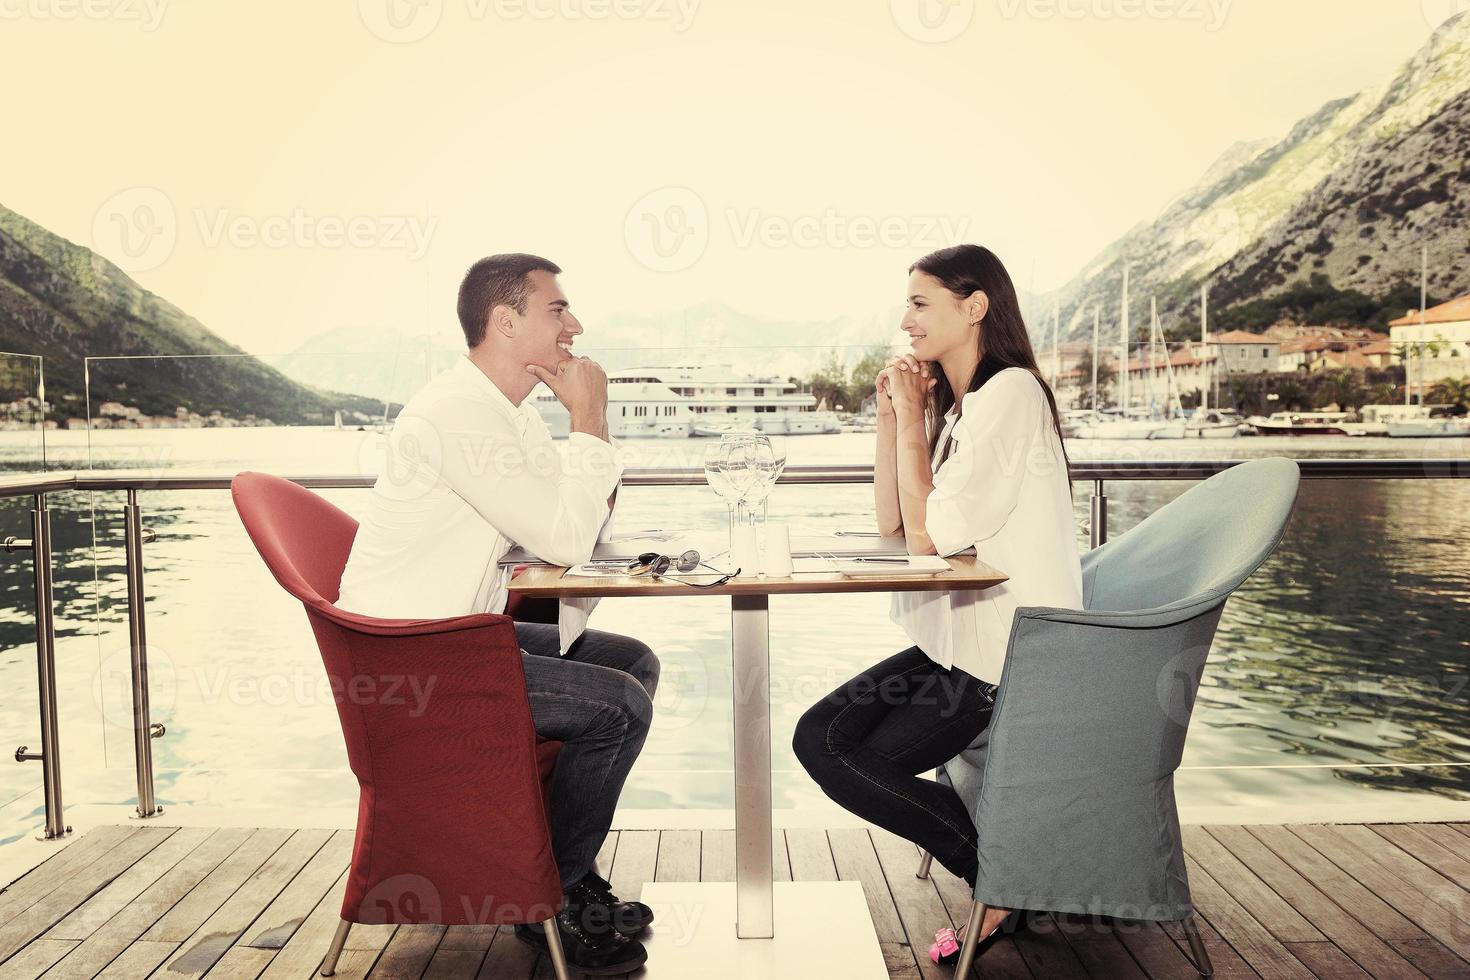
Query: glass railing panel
{"points": [[238, 680], [22, 450]]}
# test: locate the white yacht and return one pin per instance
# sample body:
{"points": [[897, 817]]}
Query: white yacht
{"points": [[682, 400]]}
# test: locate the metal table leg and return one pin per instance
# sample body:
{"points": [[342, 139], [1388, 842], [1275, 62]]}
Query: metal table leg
{"points": [[751, 678]]}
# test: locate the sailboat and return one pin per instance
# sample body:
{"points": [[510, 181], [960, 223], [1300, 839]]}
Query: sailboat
{"points": [[1102, 426], [1210, 423]]}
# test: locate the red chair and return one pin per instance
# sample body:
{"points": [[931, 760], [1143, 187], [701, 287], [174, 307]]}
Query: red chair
{"points": [[451, 818]]}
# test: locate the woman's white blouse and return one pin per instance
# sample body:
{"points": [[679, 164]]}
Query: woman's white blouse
{"points": [[1004, 490]]}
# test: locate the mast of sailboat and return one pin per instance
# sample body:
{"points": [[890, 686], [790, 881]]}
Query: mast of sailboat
{"points": [[1153, 351], [1204, 345], [1096, 326], [1173, 407], [1056, 326], [1123, 352], [1423, 308]]}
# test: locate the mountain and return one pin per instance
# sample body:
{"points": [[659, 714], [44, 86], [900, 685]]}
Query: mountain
{"points": [[67, 303], [1351, 193], [386, 364]]}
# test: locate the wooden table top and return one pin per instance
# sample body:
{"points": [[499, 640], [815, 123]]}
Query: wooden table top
{"points": [[548, 581]]}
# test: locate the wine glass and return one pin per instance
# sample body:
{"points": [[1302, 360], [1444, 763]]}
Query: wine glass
{"points": [[742, 467], [717, 476]]}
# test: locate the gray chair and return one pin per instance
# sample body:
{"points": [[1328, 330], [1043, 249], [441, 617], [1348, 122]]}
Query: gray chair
{"points": [[1072, 785]]}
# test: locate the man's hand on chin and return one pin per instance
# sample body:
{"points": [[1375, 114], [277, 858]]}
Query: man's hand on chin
{"points": [[580, 384]]}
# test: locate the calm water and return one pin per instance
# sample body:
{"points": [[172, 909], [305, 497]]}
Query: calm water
{"points": [[1339, 670]]}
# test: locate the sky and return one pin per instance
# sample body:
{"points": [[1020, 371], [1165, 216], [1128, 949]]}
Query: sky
{"points": [[281, 168]]}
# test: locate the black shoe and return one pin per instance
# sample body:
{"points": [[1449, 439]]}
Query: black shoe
{"points": [[628, 918], [590, 948]]}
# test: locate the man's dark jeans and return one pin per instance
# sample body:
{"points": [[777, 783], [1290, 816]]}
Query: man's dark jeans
{"points": [[598, 701]]}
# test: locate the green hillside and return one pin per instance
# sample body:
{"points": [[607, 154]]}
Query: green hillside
{"points": [[67, 303]]}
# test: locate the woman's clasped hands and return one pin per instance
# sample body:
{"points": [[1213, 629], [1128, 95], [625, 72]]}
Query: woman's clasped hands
{"points": [[903, 385]]}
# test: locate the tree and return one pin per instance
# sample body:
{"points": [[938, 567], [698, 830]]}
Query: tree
{"points": [[829, 382], [1343, 389], [862, 381], [1106, 375], [1452, 391]]}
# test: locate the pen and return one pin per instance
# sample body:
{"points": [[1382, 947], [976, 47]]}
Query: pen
{"points": [[890, 561]]}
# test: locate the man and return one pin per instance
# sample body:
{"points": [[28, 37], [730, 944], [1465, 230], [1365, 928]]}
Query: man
{"points": [[471, 470]]}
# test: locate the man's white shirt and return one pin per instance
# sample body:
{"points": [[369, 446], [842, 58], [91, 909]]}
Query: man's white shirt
{"points": [[466, 475]]}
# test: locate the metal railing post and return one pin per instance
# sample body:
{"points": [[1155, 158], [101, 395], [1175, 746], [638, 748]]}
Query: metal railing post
{"points": [[144, 731], [1099, 522], [50, 754]]}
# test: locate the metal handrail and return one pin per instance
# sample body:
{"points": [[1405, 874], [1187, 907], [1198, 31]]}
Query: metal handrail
{"points": [[1444, 468], [40, 485]]}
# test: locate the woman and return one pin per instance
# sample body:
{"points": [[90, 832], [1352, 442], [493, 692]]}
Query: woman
{"points": [[969, 454]]}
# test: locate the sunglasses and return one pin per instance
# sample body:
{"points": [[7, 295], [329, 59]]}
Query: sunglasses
{"points": [[657, 565]]}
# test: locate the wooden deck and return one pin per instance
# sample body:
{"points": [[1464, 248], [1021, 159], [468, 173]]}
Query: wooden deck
{"points": [[1329, 901]]}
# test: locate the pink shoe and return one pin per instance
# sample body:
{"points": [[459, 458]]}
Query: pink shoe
{"points": [[946, 948]]}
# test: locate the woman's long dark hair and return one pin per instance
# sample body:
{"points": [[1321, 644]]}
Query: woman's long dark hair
{"points": [[1004, 342]]}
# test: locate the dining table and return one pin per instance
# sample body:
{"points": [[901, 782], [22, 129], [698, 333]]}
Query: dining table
{"points": [[756, 928]]}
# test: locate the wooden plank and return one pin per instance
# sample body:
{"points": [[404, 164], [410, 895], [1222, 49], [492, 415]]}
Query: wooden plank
{"points": [[635, 862], [1380, 917], [898, 959], [811, 855], [1153, 950], [1254, 895], [241, 963], [1003, 960], [509, 958], [88, 917], [1433, 959], [1420, 874], [1326, 960], [1100, 953], [1240, 929], [353, 964], [228, 923], [408, 953], [678, 856], [634, 865], [56, 870], [911, 914], [717, 855], [453, 964], [274, 927], [1433, 917], [189, 912], [304, 951], [605, 854], [1423, 877], [114, 936], [1046, 951], [1225, 961], [81, 885], [856, 860], [35, 959], [138, 960], [1375, 955], [467, 938]]}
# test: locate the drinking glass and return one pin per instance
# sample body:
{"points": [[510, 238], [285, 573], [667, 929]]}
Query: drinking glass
{"points": [[716, 474]]}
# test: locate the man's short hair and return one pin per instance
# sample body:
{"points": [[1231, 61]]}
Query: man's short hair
{"points": [[496, 281]]}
